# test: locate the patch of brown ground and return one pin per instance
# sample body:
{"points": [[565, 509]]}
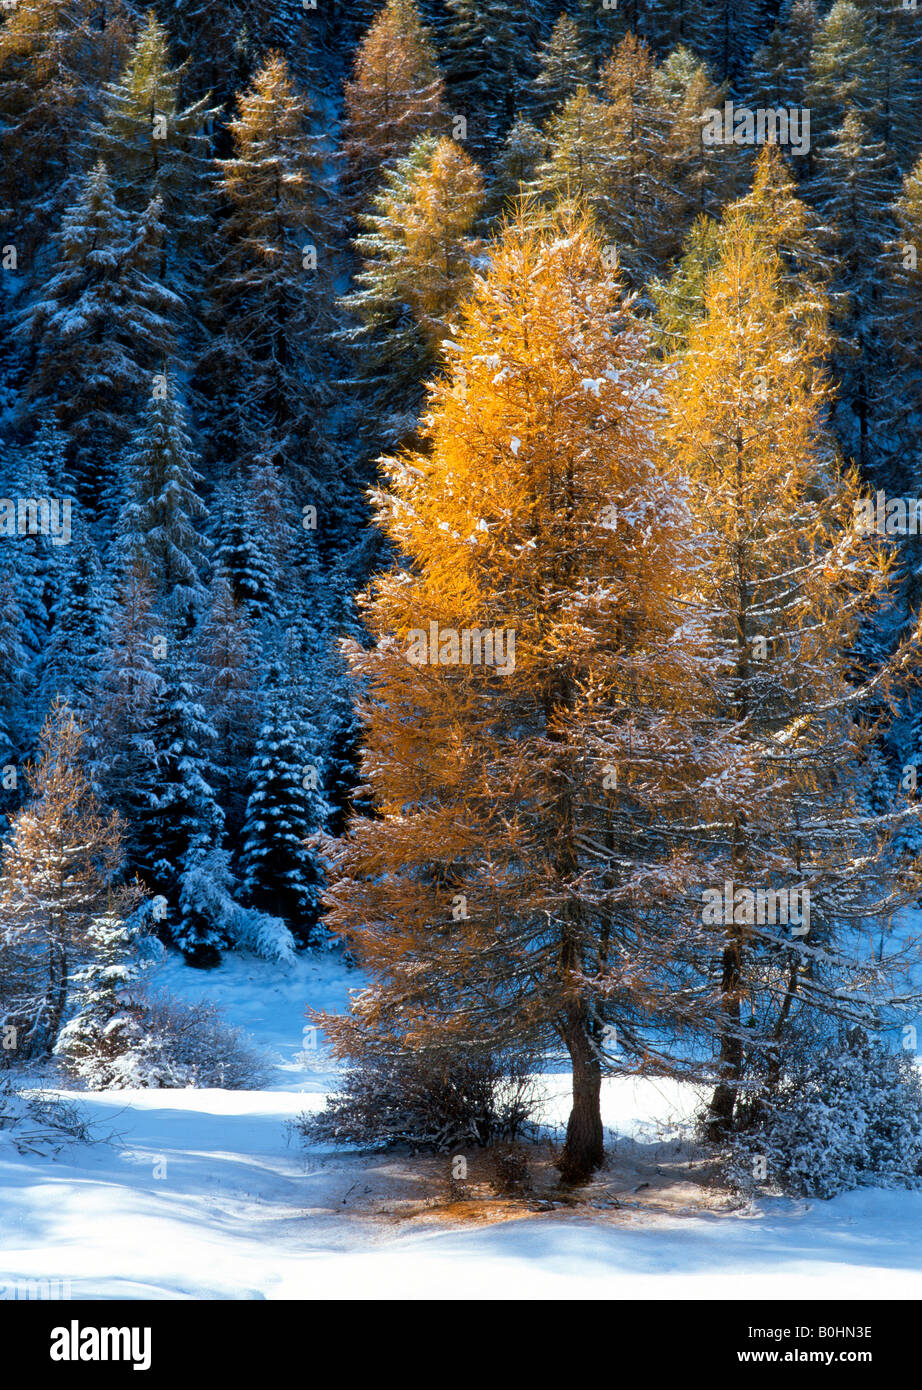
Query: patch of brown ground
{"points": [[512, 1182]]}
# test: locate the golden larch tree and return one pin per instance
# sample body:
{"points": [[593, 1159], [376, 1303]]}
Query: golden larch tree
{"points": [[788, 570], [394, 95], [58, 868], [508, 890]]}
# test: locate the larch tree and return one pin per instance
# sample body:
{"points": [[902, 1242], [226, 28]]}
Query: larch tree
{"points": [[262, 366], [56, 875], [773, 213], [641, 205], [155, 146], [696, 178], [433, 232], [563, 65], [417, 252], [55, 57], [842, 71], [395, 95], [581, 159], [636, 154], [521, 691], [787, 573]]}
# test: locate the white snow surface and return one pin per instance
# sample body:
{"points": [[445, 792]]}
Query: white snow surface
{"points": [[204, 1194]]}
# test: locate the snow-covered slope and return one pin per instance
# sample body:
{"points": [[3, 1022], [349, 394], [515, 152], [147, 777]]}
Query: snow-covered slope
{"points": [[204, 1194]]}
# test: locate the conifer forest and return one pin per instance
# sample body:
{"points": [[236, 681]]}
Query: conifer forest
{"points": [[461, 655]]}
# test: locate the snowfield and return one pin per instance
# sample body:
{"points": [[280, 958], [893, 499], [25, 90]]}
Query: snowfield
{"points": [[205, 1194]]}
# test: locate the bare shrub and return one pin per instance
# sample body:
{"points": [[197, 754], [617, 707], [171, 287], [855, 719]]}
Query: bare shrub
{"points": [[398, 1097], [38, 1123]]}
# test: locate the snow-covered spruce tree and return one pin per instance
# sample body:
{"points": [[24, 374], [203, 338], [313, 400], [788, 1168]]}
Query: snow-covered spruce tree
{"points": [[849, 1117], [102, 325], [181, 822], [489, 65], [787, 573], [127, 689], [77, 637], [417, 252], [285, 806], [103, 1042], [780, 68], [901, 329], [854, 189], [160, 524], [522, 691], [895, 40], [57, 871], [225, 44], [33, 564], [123, 1035], [228, 659], [394, 96], [214, 38], [262, 369], [600, 29], [725, 33], [243, 554], [516, 166], [14, 666]]}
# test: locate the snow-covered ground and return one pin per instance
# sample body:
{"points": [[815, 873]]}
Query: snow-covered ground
{"points": [[204, 1194]]}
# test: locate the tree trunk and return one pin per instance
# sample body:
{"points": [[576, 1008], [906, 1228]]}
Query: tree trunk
{"points": [[723, 1101], [57, 993], [584, 1150]]}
